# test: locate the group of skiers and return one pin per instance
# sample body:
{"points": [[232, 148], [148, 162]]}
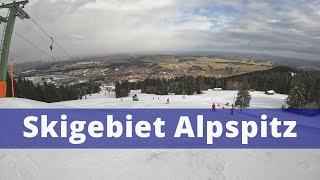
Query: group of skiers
{"points": [[135, 98], [167, 102], [214, 107]]}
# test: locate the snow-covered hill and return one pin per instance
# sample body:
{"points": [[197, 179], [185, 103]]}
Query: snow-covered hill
{"points": [[155, 163], [103, 100]]}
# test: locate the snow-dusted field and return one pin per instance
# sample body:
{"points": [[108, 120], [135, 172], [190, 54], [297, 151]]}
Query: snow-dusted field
{"points": [[103, 100], [158, 164]]}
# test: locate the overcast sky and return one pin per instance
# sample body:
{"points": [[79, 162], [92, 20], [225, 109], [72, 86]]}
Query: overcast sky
{"points": [[288, 28]]}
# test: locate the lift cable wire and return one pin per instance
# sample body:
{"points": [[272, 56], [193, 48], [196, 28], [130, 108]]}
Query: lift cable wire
{"points": [[51, 38], [18, 57], [51, 44], [32, 44], [40, 27]]}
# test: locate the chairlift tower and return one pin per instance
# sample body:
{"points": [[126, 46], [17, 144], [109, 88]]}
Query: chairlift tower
{"points": [[15, 9]]}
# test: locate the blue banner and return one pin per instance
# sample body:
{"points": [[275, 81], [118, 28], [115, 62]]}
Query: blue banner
{"points": [[158, 128]]}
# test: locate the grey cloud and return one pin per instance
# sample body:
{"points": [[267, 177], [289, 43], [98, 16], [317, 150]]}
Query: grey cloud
{"points": [[98, 27]]}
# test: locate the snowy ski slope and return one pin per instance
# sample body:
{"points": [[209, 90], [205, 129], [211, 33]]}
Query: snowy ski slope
{"points": [[105, 100], [155, 163]]}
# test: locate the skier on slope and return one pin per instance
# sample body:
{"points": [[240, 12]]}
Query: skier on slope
{"points": [[168, 101], [213, 106], [232, 109]]}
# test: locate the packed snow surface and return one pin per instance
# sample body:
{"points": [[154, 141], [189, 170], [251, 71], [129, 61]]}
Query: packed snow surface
{"points": [[158, 163], [107, 100]]}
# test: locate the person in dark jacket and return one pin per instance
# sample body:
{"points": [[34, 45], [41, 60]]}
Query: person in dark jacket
{"points": [[213, 106]]}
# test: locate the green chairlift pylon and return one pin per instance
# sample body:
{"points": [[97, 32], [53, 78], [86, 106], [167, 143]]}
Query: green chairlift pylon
{"points": [[15, 10]]}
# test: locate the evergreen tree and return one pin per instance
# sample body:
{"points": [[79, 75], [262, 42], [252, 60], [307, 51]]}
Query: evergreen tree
{"points": [[317, 92], [189, 85], [179, 88], [122, 89], [47, 92], [9, 89], [243, 98], [297, 96], [117, 89]]}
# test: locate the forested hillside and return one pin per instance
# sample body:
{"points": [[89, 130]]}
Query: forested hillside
{"points": [[49, 92], [302, 86]]}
